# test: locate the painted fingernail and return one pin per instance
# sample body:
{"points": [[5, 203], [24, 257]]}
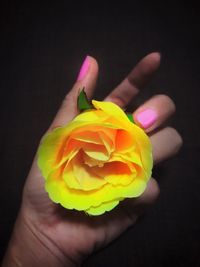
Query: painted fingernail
{"points": [[84, 69], [146, 117]]}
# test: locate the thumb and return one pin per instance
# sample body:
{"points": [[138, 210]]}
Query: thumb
{"points": [[87, 78]]}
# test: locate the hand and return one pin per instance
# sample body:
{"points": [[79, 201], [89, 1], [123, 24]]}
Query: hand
{"points": [[45, 234]]}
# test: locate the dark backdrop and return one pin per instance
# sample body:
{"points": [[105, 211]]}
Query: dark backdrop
{"points": [[41, 49]]}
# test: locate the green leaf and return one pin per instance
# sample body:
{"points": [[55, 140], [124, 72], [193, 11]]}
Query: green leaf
{"points": [[83, 102], [130, 117]]}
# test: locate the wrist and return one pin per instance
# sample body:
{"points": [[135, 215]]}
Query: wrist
{"points": [[29, 247]]}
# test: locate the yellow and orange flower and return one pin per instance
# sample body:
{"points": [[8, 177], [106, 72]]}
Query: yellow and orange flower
{"points": [[95, 161]]}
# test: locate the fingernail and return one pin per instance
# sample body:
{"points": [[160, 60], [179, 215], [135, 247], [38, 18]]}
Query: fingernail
{"points": [[146, 117], [84, 69]]}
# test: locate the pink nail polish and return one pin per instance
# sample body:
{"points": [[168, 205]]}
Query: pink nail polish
{"points": [[147, 117], [84, 69]]}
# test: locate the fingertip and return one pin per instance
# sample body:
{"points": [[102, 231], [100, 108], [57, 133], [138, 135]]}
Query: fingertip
{"points": [[93, 63], [156, 55], [90, 80], [93, 67], [89, 65], [153, 59], [87, 76]]}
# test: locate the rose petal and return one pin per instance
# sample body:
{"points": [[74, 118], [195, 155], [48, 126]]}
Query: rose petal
{"points": [[91, 116], [98, 152], [79, 176], [124, 141], [88, 137], [144, 149], [111, 109], [116, 173], [69, 150], [83, 200], [106, 206], [51, 146], [91, 162], [108, 138], [131, 157], [48, 151]]}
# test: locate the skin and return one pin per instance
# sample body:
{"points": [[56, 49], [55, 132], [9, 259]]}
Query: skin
{"points": [[45, 234]]}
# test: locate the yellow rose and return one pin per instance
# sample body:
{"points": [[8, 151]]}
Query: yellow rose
{"points": [[95, 161]]}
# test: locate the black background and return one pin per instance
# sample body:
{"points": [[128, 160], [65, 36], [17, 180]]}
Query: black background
{"points": [[42, 46]]}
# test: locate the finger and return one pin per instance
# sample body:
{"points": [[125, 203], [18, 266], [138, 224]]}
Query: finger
{"points": [[165, 144], [87, 78], [136, 80], [126, 214], [154, 112]]}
